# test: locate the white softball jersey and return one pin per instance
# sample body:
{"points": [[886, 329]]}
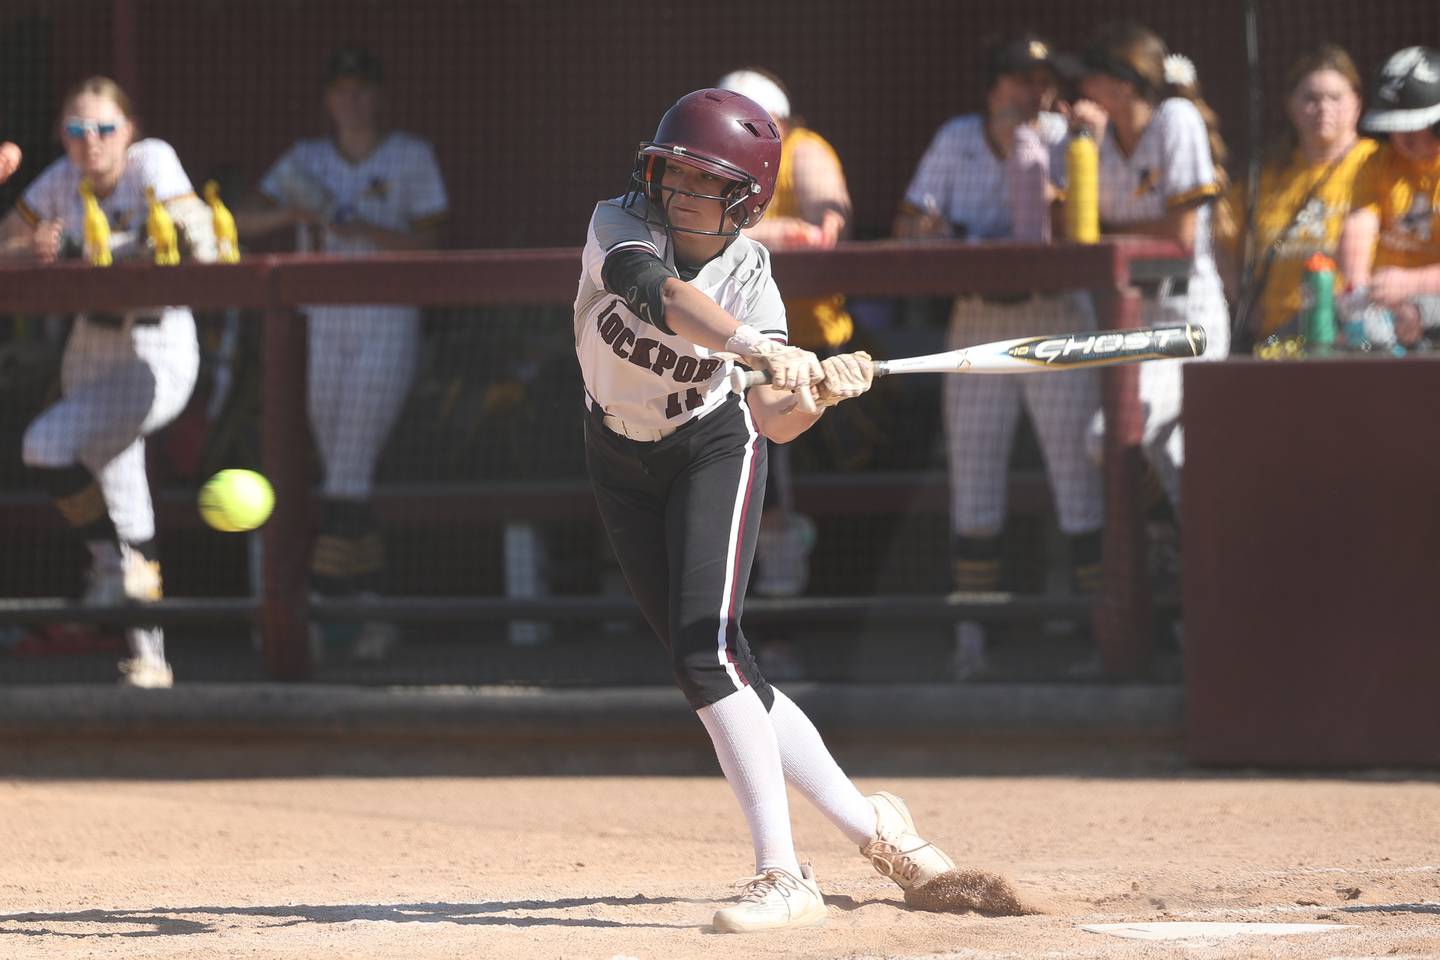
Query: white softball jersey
{"points": [[55, 195], [398, 186], [1171, 166], [961, 178], [635, 371]]}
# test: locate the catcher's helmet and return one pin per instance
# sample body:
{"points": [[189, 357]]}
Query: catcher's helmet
{"points": [[723, 134], [1407, 93]]}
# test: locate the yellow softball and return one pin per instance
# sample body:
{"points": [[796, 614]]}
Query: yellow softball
{"points": [[233, 501]]}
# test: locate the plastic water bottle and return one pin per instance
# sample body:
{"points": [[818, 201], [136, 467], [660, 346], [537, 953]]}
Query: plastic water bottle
{"points": [[1379, 329], [1082, 196], [1320, 304], [1028, 170]]}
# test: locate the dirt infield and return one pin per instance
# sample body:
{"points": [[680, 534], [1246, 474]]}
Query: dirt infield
{"points": [[634, 867]]}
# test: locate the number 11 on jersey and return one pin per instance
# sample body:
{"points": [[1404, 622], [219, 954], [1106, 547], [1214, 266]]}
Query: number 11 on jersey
{"points": [[693, 399]]}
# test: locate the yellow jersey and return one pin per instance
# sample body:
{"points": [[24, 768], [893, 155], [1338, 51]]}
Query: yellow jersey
{"points": [[1283, 187], [1406, 198], [822, 321]]}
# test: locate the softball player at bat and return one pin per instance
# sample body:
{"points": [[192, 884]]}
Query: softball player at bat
{"points": [[962, 187], [361, 190], [670, 295], [1161, 170], [124, 375]]}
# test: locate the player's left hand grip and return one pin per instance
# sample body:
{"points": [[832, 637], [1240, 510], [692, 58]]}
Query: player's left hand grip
{"points": [[742, 380]]}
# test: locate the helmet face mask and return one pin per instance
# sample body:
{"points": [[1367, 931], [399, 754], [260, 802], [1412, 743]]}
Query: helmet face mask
{"points": [[720, 133], [649, 181]]}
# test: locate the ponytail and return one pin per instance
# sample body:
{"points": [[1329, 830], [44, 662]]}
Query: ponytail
{"points": [[1188, 87]]}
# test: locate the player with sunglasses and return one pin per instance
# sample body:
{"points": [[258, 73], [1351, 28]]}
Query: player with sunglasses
{"points": [[125, 374]]}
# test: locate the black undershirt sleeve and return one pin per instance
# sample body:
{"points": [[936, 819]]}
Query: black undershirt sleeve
{"points": [[638, 276]]}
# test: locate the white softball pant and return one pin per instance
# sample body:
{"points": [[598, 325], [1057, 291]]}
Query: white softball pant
{"points": [[1161, 385], [118, 385], [361, 363], [981, 412]]}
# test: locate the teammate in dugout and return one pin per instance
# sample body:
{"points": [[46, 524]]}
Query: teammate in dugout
{"points": [[124, 375], [362, 189], [671, 294], [1395, 210], [962, 187], [1161, 172]]}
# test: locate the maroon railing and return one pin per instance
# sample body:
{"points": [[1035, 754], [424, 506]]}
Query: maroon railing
{"points": [[276, 284]]}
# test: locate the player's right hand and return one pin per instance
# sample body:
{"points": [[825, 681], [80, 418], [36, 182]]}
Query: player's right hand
{"points": [[847, 375], [45, 241], [790, 368]]}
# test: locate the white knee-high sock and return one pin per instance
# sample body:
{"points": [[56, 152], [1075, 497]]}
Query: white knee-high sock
{"points": [[811, 769], [745, 746]]}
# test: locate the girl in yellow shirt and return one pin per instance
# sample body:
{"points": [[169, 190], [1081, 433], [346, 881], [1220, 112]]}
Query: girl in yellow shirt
{"points": [[1305, 188]]}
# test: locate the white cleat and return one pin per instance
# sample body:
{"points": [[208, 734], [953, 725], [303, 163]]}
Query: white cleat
{"points": [[146, 674], [774, 900], [897, 851]]}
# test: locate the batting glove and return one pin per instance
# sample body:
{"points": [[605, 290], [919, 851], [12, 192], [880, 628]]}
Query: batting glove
{"points": [[847, 375]]}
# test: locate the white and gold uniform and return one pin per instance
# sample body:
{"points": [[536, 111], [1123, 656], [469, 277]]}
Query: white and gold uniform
{"points": [[1170, 167]]}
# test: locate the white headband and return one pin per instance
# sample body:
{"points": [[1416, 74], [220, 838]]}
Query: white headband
{"points": [[759, 88]]}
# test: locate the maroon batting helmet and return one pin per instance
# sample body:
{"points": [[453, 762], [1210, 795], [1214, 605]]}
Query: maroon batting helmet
{"points": [[724, 134]]}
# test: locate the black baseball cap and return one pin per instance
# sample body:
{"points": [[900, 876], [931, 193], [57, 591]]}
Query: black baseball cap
{"points": [[1017, 53], [354, 62]]}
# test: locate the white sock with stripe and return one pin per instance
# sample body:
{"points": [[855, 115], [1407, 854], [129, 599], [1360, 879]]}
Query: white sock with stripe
{"points": [[750, 758], [811, 769]]}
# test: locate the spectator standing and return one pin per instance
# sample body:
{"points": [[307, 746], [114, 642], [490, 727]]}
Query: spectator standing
{"points": [[1304, 190], [362, 189], [1161, 172], [964, 187], [124, 374]]}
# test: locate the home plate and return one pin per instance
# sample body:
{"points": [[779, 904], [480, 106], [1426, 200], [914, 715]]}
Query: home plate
{"points": [[1191, 930]]}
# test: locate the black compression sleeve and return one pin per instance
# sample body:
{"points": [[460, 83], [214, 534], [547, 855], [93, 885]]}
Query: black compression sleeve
{"points": [[638, 276]]}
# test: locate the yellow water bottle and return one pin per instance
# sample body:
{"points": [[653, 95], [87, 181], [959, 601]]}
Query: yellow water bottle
{"points": [[1082, 195]]}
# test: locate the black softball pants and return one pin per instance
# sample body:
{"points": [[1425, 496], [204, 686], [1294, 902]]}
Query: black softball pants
{"points": [[683, 515]]}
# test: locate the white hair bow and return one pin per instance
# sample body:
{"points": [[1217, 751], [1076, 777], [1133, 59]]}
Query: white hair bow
{"points": [[1179, 70]]}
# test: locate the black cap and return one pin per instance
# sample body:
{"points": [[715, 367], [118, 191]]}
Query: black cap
{"points": [[354, 62], [1407, 93], [1098, 59], [1016, 53]]}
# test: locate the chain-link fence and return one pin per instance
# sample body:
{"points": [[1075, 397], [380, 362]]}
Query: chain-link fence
{"points": [[438, 444]]}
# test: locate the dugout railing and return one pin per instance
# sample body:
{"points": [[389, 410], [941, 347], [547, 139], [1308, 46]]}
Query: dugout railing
{"points": [[1121, 612]]}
